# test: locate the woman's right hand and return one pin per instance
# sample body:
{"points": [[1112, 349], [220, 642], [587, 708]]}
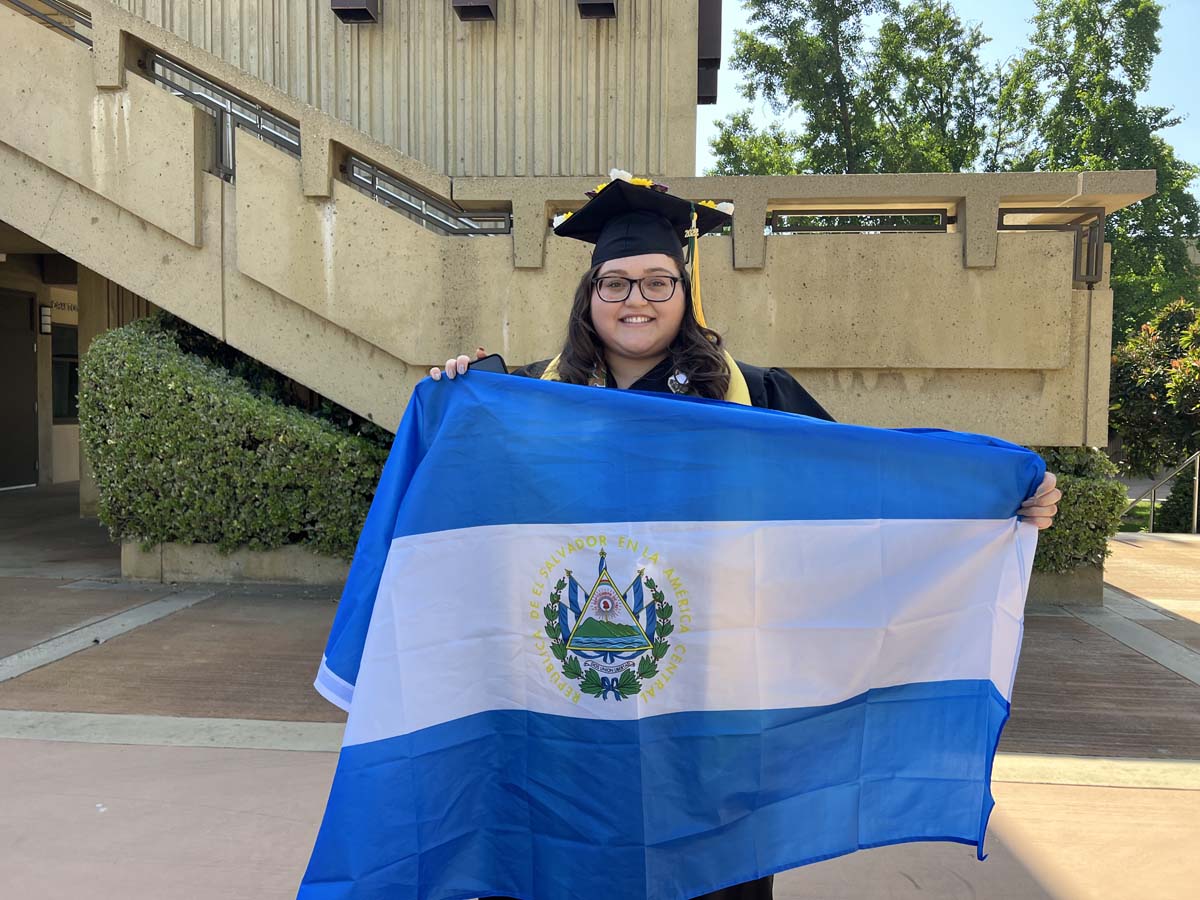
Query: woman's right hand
{"points": [[457, 366]]}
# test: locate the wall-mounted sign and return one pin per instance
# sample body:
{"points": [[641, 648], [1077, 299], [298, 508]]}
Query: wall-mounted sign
{"points": [[64, 306]]}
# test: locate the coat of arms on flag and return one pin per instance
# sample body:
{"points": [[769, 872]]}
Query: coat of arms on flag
{"points": [[609, 640], [816, 657]]}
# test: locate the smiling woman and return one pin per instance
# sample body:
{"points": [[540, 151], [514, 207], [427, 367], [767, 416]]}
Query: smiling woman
{"points": [[636, 321]]}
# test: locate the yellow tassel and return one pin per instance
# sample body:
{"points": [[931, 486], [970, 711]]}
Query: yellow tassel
{"points": [[697, 306]]}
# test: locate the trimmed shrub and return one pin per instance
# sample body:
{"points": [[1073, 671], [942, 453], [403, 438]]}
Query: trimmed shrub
{"points": [[1090, 511], [184, 451]]}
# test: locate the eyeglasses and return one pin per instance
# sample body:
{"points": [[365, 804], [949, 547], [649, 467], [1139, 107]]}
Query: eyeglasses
{"points": [[617, 288]]}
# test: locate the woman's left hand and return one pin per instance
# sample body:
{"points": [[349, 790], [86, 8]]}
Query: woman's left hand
{"points": [[1042, 507]]}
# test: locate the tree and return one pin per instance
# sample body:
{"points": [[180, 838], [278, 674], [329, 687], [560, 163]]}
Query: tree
{"points": [[811, 56], [915, 99], [1012, 127], [1092, 58], [930, 92], [741, 149]]}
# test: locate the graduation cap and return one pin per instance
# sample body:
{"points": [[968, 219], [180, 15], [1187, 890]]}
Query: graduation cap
{"points": [[633, 217]]}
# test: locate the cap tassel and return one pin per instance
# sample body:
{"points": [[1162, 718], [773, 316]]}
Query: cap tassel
{"points": [[693, 236]]}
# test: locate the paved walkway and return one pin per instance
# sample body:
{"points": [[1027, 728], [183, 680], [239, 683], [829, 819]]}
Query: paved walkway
{"points": [[164, 742]]}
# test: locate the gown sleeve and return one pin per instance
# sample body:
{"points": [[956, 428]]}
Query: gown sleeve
{"points": [[785, 393]]}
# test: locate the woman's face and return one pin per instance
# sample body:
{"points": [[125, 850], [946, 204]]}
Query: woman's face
{"points": [[637, 328]]}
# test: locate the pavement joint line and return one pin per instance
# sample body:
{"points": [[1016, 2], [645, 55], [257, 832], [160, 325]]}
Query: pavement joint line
{"points": [[96, 584], [171, 731], [93, 633], [1164, 651]]}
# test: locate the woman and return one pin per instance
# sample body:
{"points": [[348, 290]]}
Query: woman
{"points": [[635, 324]]}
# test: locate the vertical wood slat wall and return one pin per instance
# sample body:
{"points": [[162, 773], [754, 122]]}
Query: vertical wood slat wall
{"points": [[538, 92]]}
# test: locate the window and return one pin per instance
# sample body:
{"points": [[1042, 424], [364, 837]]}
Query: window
{"points": [[64, 348]]}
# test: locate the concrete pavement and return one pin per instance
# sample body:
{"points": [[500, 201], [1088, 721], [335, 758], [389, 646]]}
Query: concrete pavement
{"points": [[189, 758]]}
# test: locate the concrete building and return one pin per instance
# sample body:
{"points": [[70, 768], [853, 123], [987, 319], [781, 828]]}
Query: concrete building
{"points": [[350, 203]]}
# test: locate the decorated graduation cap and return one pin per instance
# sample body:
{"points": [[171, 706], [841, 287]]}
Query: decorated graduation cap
{"points": [[631, 216]]}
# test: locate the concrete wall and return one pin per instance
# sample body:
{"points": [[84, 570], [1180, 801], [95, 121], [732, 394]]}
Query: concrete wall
{"points": [[970, 329], [538, 92]]}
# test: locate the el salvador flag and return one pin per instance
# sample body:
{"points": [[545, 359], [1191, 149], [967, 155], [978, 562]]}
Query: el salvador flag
{"points": [[602, 644]]}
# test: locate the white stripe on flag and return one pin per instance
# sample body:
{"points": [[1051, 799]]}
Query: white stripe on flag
{"points": [[772, 615]]}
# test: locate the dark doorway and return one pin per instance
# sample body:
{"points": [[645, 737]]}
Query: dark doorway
{"points": [[18, 391]]}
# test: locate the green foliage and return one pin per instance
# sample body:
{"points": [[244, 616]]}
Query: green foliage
{"points": [[1090, 511], [591, 683], [741, 149], [929, 90], [1174, 515], [811, 56], [266, 381], [572, 668], [917, 99], [647, 667], [184, 451], [1092, 59], [1156, 390]]}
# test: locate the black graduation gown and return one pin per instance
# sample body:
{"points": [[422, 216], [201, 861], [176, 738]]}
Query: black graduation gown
{"points": [[770, 389]]}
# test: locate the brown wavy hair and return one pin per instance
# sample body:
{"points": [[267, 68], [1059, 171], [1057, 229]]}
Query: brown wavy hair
{"points": [[696, 351]]}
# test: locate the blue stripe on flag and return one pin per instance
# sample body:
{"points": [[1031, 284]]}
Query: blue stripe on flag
{"points": [[510, 451], [532, 805]]}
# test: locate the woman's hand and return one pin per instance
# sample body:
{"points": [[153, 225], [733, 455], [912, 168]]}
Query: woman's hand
{"points": [[1042, 507], [457, 366]]}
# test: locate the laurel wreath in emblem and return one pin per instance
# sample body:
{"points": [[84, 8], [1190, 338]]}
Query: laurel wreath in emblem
{"points": [[590, 682]]}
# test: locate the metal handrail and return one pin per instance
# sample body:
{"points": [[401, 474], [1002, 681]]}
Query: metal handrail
{"points": [[231, 110], [1194, 459], [421, 207], [75, 15]]}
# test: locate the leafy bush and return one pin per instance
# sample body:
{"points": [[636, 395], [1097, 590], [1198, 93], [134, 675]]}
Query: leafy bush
{"points": [[1089, 513], [1175, 513], [184, 451], [1156, 390], [262, 379]]}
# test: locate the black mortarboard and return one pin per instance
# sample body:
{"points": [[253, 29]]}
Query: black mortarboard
{"points": [[625, 219]]}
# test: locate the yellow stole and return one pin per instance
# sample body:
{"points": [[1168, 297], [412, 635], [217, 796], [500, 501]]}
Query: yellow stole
{"points": [[737, 392]]}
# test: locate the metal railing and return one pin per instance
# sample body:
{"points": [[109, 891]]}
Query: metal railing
{"points": [[232, 111], [1193, 460], [78, 16], [422, 208], [1085, 222], [858, 221]]}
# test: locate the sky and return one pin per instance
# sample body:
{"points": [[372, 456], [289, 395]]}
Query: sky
{"points": [[1174, 81]]}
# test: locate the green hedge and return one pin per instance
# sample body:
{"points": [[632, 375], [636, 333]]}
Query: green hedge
{"points": [[184, 451], [1090, 511]]}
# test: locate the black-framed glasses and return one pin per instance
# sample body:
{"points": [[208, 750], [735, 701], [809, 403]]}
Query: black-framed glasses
{"points": [[617, 288]]}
